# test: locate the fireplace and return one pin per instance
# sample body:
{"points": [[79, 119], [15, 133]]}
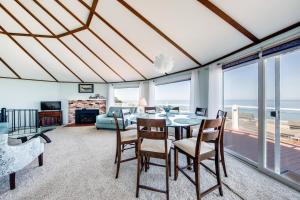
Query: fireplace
{"points": [[86, 116]]}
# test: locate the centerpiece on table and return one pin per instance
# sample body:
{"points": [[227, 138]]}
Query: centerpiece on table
{"points": [[167, 109]]}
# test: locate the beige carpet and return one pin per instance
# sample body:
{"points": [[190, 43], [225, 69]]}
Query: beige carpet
{"points": [[78, 164]]}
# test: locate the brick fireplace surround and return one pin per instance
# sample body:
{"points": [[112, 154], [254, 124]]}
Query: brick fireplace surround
{"points": [[88, 104]]}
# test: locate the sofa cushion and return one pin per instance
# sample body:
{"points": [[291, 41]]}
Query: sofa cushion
{"points": [[118, 111], [109, 120], [114, 110]]}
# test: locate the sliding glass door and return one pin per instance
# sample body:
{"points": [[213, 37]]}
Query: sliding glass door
{"points": [[282, 116], [241, 103], [262, 99]]}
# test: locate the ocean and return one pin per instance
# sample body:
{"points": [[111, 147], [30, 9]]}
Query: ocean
{"points": [[286, 113]]}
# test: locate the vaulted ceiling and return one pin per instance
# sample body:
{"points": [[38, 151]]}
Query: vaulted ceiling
{"points": [[116, 40]]}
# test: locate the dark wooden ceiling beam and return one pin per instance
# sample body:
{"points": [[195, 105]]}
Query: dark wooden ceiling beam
{"points": [[10, 68], [92, 10], [58, 21], [81, 42], [116, 31], [61, 41], [112, 49], [32, 57], [157, 30], [70, 32], [229, 20], [48, 36], [80, 21], [36, 39], [29, 35]]}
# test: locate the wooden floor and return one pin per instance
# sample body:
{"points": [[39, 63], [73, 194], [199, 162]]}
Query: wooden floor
{"points": [[246, 144]]}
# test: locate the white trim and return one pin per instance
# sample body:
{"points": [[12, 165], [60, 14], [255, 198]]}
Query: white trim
{"points": [[277, 118], [261, 113]]}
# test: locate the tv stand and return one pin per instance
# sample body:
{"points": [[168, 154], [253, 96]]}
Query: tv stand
{"points": [[50, 118]]}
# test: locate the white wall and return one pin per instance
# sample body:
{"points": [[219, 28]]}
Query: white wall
{"points": [[22, 94]]}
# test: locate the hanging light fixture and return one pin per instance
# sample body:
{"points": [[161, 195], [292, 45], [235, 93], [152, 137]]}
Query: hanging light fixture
{"points": [[163, 64]]}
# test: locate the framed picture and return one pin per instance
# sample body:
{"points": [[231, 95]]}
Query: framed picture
{"points": [[86, 88]]}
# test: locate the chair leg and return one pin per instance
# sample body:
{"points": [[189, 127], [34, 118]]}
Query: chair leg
{"points": [[146, 163], [167, 177], [12, 180], [138, 176], [116, 156], [223, 159], [119, 161], [188, 135], [123, 147], [217, 166], [197, 177], [175, 164], [41, 160]]}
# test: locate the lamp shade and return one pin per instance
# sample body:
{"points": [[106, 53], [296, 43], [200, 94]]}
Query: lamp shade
{"points": [[142, 102], [163, 64]]}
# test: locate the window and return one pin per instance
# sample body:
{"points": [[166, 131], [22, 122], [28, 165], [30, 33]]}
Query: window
{"points": [[283, 113], [241, 103], [126, 96], [174, 94]]}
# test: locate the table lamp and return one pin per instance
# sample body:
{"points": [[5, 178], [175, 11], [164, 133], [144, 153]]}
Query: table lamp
{"points": [[142, 104]]}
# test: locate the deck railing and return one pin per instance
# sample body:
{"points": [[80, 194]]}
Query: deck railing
{"points": [[244, 118], [25, 120]]}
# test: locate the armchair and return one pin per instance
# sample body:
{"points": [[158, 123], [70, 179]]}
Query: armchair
{"points": [[15, 158]]}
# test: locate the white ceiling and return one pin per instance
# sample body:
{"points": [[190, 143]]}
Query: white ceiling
{"points": [[118, 46]]}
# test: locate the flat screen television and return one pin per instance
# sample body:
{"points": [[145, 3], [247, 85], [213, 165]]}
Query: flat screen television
{"points": [[50, 105]]}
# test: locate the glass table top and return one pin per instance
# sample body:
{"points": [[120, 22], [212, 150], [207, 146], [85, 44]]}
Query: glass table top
{"points": [[172, 119], [30, 132]]}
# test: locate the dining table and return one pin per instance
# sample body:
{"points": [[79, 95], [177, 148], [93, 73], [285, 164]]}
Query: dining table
{"points": [[177, 120]]}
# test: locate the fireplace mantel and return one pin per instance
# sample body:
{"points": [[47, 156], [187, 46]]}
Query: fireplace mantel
{"points": [[88, 104]]}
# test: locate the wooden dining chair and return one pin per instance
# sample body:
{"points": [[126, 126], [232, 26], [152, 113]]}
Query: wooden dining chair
{"points": [[192, 130], [222, 115], [150, 109], [175, 109], [124, 138], [201, 111], [153, 143], [198, 150]]}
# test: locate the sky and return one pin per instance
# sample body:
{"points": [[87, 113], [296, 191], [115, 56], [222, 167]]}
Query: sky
{"points": [[127, 94], [173, 91], [242, 83]]}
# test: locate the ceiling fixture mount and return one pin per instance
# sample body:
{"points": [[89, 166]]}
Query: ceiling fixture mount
{"points": [[163, 64]]}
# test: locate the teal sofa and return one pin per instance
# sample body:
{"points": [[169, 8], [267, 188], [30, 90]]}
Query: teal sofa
{"points": [[106, 121]]}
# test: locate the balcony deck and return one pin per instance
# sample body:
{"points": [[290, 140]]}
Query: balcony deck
{"points": [[245, 143]]}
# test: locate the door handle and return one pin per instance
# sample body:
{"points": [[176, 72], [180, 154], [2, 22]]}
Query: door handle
{"points": [[274, 113]]}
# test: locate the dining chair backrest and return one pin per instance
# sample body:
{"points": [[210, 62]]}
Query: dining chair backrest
{"points": [[221, 114], [210, 130], [118, 132], [175, 109], [152, 129], [150, 109], [200, 111]]}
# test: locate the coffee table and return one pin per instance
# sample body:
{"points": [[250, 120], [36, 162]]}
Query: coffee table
{"points": [[28, 134]]}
